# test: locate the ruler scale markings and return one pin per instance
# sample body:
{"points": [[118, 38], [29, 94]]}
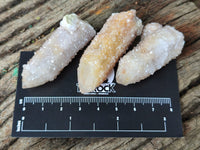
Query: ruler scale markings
{"points": [[33, 101], [130, 100], [168, 101], [70, 124], [142, 100], [152, 106], [170, 104], [116, 108], [163, 100], [24, 102], [22, 126], [117, 118], [118, 130], [165, 126], [24, 108], [124, 101], [42, 106], [79, 108], [52, 100], [145, 131], [93, 126], [141, 126], [45, 127], [61, 108]]}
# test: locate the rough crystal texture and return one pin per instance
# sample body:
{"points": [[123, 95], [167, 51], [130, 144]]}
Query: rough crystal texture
{"points": [[158, 46], [106, 48], [57, 51]]}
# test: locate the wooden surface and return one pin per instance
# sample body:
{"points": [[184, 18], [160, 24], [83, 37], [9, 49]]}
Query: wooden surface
{"points": [[24, 26]]}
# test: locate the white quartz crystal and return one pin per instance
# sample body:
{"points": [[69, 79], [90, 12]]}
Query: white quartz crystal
{"points": [[56, 53], [159, 45]]}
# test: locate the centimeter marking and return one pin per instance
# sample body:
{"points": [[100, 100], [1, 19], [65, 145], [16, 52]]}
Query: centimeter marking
{"points": [[143, 100]]}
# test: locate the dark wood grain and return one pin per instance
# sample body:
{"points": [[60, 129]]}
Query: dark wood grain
{"points": [[25, 25]]}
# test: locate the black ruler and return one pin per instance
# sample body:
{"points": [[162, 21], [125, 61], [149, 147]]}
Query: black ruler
{"points": [[149, 108]]}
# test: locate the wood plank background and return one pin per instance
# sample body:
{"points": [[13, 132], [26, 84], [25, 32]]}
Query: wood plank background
{"points": [[26, 24]]}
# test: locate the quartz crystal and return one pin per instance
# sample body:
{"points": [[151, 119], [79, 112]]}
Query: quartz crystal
{"points": [[109, 44], [159, 45], [56, 53]]}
